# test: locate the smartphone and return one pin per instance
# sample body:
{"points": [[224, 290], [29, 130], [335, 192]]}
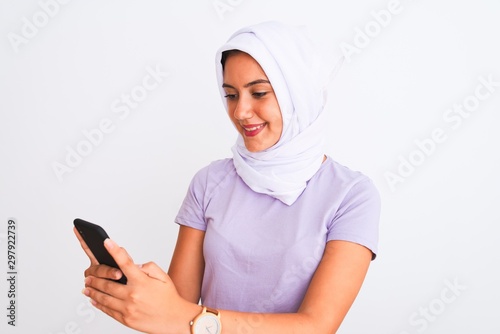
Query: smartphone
{"points": [[94, 236]]}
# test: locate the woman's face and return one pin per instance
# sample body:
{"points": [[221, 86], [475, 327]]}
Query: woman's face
{"points": [[251, 102]]}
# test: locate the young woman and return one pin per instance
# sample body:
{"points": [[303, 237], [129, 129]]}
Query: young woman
{"points": [[277, 239]]}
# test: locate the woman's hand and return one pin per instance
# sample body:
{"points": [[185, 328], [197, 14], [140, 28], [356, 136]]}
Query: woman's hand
{"points": [[96, 269], [149, 302]]}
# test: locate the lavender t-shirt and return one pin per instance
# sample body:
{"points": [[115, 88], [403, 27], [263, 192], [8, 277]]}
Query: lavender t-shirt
{"points": [[260, 254]]}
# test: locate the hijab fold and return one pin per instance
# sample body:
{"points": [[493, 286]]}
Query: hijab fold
{"points": [[299, 79]]}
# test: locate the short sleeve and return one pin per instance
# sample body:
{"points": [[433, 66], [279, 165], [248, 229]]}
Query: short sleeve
{"points": [[191, 212], [357, 219]]}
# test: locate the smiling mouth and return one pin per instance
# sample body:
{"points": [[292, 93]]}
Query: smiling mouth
{"points": [[253, 129]]}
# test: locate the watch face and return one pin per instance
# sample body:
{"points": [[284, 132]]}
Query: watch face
{"points": [[207, 324]]}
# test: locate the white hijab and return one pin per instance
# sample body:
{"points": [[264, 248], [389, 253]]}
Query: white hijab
{"points": [[299, 79]]}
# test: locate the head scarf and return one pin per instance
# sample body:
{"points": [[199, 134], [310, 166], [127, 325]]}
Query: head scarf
{"points": [[297, 75]]}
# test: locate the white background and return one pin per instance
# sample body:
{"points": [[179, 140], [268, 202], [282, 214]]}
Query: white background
{"points": [[438, 227]]}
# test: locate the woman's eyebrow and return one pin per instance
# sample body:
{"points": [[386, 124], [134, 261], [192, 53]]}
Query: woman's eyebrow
{"points": [[255, 82]]}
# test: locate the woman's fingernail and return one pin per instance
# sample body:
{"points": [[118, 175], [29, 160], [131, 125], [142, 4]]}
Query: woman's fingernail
{"points": [[117, 274], [86, 292], [109, 243], [87, 280], [93, 302]]}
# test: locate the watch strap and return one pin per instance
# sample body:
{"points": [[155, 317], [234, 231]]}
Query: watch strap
{"points": [[211, 310]]}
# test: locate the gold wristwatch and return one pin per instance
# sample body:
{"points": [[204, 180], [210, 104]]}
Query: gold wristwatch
{"points": [[207, 322]]}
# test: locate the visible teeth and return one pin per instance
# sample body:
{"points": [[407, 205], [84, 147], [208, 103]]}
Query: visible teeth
{"points": [[254, 128]]}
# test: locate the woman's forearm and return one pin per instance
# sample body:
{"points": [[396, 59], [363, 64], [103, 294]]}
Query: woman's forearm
{"points": [[234, 322], [272, 323]]}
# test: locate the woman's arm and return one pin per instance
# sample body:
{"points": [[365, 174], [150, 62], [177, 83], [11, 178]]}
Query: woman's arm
{"points": [[150, 302], [187, 264], [331, 293]]}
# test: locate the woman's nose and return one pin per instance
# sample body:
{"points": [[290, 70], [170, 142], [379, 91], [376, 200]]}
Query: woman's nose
{"points": [[243, 109]]}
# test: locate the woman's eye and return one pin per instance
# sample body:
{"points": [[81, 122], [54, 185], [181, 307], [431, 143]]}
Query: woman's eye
{"points": [[230, 96], [259, 94]]}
